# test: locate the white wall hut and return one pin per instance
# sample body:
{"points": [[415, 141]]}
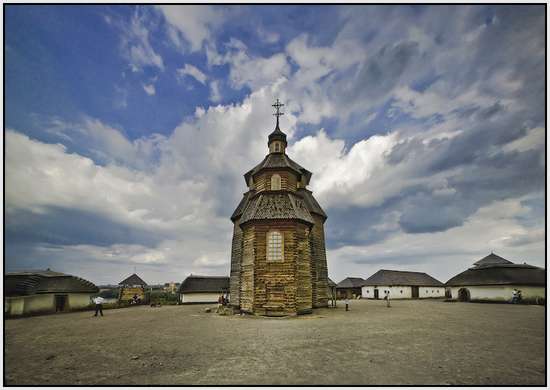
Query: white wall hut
{"points": [[402, 285], [33, 292], [493, 279], [203, 289]]}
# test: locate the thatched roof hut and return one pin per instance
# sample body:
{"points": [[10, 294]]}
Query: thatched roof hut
{"points": [[203, 289], [386, 277], [494, 278], [45, 291]]}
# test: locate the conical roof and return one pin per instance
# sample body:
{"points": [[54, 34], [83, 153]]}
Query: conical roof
{"points": [[492, 259], [276, 135]]}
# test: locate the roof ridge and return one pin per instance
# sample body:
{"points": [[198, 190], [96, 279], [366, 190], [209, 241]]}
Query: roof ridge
{"points": [[207, 276], [394, 270]]}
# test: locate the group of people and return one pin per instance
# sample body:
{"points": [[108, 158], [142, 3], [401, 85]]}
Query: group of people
{"points": [[222, 302]]}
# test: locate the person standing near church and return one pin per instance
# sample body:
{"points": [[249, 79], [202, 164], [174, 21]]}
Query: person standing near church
{"points": [[387, 298], [98, 306]]}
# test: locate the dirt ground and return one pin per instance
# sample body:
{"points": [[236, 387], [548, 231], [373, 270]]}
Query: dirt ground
{"points": [[413, 342]]}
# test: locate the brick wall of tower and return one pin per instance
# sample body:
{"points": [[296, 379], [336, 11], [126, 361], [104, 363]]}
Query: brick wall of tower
{"points": [[236, 258], [281, 287], [319, 272]]}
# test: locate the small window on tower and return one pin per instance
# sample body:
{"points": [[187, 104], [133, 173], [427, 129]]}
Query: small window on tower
{"points": [[274, 246], [275, 182], [277, 147]]}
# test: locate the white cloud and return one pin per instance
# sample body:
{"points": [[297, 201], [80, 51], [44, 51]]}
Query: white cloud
{"points": [[135, 43], [431, 102], [534, 139], [268, 36], [169, 186], [354, 177], [215, 95], [192, 71], [107, 143], [255, 72], [120, 99], [149, 89], [194, 23]]}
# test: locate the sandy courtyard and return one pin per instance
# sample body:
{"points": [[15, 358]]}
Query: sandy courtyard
{"points": [[413, 342]]}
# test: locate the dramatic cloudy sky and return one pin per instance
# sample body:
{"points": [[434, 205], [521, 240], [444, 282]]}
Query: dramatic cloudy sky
{"points": [[128, 130]]}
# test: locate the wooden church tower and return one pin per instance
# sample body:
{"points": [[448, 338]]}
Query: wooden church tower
{"points": [[278, 259]]}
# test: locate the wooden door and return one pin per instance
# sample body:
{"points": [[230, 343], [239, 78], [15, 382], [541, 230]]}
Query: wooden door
{"points": [[60, 303], [414, 291], [375, 293]]}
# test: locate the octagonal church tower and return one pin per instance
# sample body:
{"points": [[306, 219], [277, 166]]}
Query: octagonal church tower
{"points": [[278, 258]]}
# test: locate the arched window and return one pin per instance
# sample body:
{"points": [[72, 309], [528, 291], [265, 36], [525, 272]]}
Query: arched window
{"points": [[275, 182], [274, 246], [277, 147]]}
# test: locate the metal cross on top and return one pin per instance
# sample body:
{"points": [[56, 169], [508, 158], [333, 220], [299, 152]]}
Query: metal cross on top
{"points": [[278, 106]]}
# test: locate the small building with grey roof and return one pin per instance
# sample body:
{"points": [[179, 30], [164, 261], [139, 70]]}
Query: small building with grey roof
{"points": [[45, 291], [203, 289], [132, 290], [402, 285], [349, 288], [493, 279]]}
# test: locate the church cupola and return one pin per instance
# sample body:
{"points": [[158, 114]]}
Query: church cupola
{"points": [[277, 139]]}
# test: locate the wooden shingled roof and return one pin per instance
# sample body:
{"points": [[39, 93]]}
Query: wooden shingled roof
{"points": [[386, 277], [45, 282], [212, 284], [276, 205], [278, 160], [133, 280], [351, 283]]}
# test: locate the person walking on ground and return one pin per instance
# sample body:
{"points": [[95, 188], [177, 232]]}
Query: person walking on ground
{"points": [[220, 304], [98, 306], [387, 298], [346, 301], [514, 296]]}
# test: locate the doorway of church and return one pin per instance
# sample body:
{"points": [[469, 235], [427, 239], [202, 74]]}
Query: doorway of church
{"points": [[414, 291], [375, 293]]}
